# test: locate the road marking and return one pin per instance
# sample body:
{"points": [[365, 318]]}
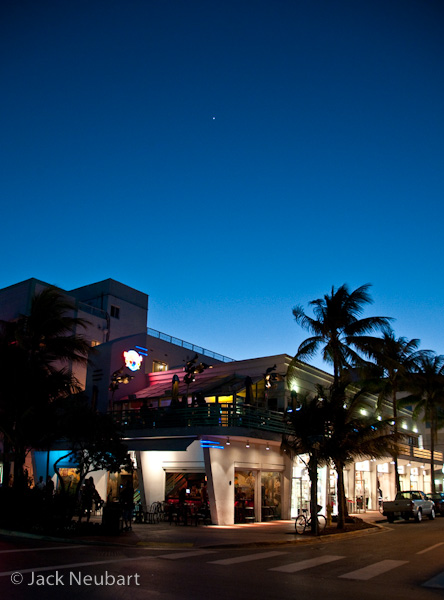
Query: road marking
{"points": [[71, 566], [307, 564], [435, 582], [245, 558], [431, 548], [40, 549], [374, 570], [178, 555]]}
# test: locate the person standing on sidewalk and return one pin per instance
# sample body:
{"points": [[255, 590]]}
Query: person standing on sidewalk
{"points": [[127, 503]]}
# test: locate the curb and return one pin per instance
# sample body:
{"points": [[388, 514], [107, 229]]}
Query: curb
{"points": [[374, 528], [304, 540], [51, 538]]}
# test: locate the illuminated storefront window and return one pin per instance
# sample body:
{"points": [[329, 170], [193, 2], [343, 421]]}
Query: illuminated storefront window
{"points": [[70, 479], [220, 399], [159, 366], [362, 485], [192, 483], [116, 482], [271, 495]]}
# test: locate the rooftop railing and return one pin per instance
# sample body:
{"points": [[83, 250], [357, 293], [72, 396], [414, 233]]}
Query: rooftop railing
{"points": [[92, 310], [178, 342]]}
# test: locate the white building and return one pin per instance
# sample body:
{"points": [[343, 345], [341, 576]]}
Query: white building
{"points": [[221, 431]]}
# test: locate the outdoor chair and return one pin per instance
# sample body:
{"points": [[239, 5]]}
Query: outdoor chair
{"points": [[139, 513], [154, 513]]}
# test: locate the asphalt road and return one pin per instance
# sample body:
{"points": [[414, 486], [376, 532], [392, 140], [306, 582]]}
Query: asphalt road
{"points": [[405, 561]]}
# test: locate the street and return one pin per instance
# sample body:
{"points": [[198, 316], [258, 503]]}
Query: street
{"points": [[403, 561]]}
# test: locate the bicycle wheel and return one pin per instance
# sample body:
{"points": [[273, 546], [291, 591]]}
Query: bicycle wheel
{"points": [[300, 524], [322, 522]]}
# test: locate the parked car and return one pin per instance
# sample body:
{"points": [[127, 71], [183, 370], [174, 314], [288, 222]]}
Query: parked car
{"points": [[438, 499], [412, 503]]}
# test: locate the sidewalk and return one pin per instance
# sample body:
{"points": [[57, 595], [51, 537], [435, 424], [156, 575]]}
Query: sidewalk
{"points": [[165, 535]]}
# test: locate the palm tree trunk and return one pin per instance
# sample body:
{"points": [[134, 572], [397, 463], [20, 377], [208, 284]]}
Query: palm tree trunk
{"points": [[313, 469], [6, 461], [432, 454], [342, 503], [20, 481], [395, 432]]}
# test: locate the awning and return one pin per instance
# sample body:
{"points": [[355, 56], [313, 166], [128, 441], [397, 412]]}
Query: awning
{"points": [[205, 383], [159, 444]]}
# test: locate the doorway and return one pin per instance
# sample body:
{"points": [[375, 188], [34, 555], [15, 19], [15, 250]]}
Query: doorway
{"points": [[244, 496]]}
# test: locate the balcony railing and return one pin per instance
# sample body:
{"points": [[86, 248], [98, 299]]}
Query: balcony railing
{"points": [[225, 415], [211, 415], [420, 453]]}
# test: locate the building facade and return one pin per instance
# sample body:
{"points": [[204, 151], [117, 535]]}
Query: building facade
{"points": [[201, 424]]}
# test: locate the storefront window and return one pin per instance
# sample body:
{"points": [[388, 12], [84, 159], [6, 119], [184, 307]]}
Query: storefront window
{"points": [[362, 485], [192, 483], [220, 399], [383, 482], [404, 479], [300, 488], [271, 495], [414, 478], [70, 479], [331, 492], [117, 481], [159, 366]]}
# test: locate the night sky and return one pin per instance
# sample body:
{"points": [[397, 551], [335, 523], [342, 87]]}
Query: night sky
{"points": [[231, 159]]}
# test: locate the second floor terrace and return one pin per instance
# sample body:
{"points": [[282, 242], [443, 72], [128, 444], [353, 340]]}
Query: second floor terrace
{"points": [[227, 420], [218, 418]]}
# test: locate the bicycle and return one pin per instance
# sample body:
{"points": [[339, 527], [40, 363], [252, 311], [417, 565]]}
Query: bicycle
{"points": [[303, 522]]}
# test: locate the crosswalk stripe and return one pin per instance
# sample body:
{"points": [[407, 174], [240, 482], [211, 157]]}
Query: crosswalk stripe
{"points": [[245, 558], [178, 555], [307, 564], [430, 548], [41, 549], [435, 582], [373, 570]]}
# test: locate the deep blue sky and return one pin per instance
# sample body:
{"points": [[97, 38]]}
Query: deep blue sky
{"points": [[231, 159]]}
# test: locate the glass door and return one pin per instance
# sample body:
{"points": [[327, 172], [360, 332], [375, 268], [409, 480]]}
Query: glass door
{"points": [[244, 496]]}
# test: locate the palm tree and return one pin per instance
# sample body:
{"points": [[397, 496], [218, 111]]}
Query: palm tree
{"points": [[337, 434], [427, 385], [307, 426], [337, 329], [37, 352], [396, 359], [343, 338]]}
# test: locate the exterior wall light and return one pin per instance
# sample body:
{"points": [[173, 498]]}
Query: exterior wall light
{"points": [[247, 445], [228, 441]]}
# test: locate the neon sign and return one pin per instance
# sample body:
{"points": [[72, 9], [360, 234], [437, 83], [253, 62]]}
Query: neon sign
{"points": [[211, 444], [133, 360]]}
